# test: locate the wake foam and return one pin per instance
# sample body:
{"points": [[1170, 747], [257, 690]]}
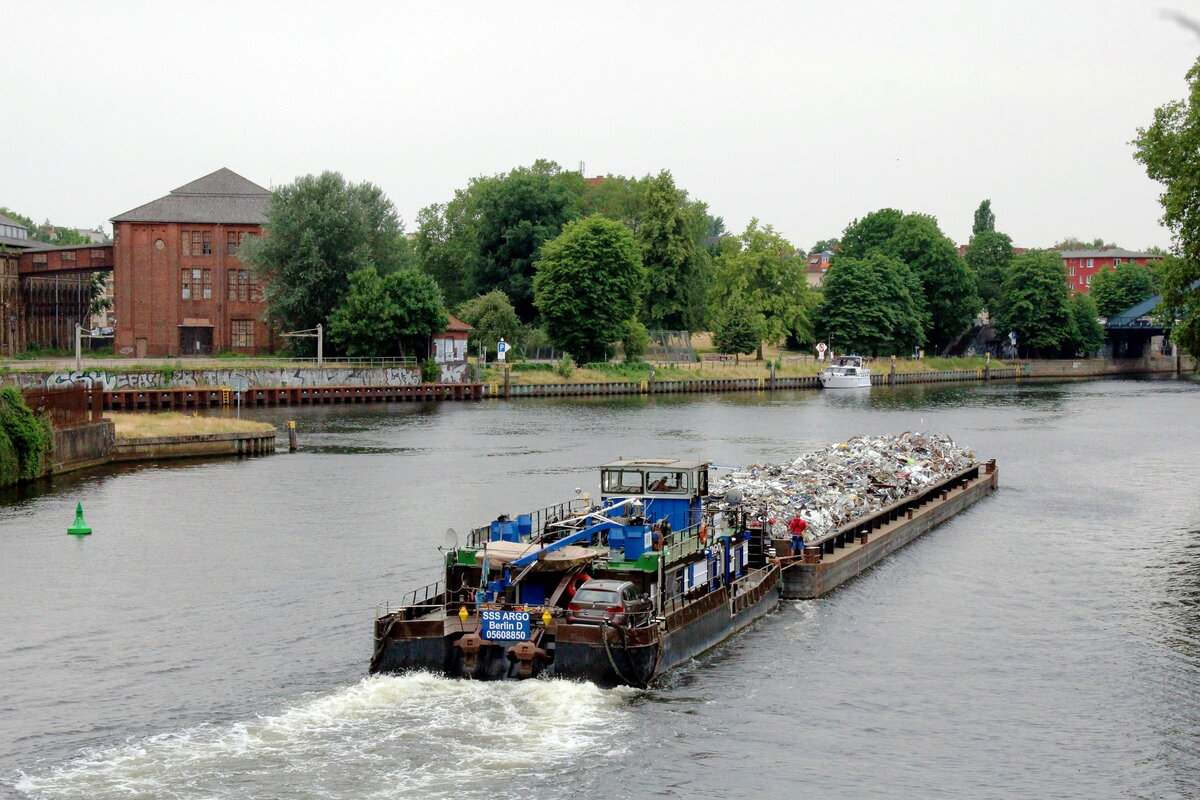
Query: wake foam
{"points": [[385, 737]]}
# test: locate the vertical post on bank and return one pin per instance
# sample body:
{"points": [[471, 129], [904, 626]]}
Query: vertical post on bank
{"points": [[772, 375], [892, 372], [291, 436], [506, 382], [78, 347], [320, 345]]}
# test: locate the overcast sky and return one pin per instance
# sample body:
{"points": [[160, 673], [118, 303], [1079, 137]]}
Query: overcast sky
{"points": [[803, 114]]}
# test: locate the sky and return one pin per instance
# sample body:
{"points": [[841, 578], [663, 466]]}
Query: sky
{"points": [[804, 115]]}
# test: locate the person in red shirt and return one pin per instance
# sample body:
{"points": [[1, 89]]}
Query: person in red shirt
{"points": [[797, 527]]}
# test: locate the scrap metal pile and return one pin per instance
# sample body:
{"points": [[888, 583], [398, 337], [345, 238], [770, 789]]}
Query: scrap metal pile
{"points": [[846, 480]]}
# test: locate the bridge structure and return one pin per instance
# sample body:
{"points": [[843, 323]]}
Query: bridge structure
{"points": [[1130, 332]]}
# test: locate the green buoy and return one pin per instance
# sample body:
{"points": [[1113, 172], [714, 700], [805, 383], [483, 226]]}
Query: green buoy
{"points": [[80, 528]]}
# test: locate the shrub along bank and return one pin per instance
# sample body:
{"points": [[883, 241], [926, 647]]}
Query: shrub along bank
{"points": [[26, 440]]}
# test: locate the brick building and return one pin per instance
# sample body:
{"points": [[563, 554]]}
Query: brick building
{"points": [[1083, 265], [179, 285]]}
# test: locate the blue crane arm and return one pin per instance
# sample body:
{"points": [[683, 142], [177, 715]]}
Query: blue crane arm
{"points": [[579, 536]]}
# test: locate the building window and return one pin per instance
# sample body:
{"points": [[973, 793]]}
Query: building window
{"points": [[97, 255], [196, 284], [1116, 261], [238, 284], [1089, 280], [1091, 262], [68, 255], [39, 258], [197, 243], [234, 241], [1072, 272], [241, 332]]}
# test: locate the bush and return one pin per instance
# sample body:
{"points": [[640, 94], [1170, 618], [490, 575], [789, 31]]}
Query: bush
{"points": [[431, 371], [10, 466], [30, 437], [533, 366], [565, 367], [636, 341]]}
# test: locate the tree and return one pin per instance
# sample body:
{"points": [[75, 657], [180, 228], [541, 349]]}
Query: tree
{"points": [[985, 220], [588, 284], [1170, 150], [1115, 290], [988, 256], [1033, 301], [948, 286], [493, 318], [824, 244], [516, 214], [636, 340], [872, 232], [670, 254], [1071, 243], [384, 315], [1180, 287], [320, 230], [1087, 334], [761, 269], [871, 305], [738, 329], [445, 244]]}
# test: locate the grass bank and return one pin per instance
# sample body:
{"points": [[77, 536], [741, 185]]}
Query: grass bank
{"points": [[172, 423], [792, 366]]}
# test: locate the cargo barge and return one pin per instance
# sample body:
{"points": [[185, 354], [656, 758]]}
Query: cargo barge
{"points": [[616, 593], [831, 560], [624, 590]]}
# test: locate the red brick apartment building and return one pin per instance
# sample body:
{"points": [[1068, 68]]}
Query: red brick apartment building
{"points": [[1083, 265], [179, 286]]}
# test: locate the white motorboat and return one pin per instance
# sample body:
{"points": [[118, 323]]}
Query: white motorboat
{"points": [[846, 372]]}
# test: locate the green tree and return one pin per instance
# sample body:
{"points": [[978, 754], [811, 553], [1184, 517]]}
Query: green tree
{"points": [[872, 232], [988, 256], [588, 284], [516, 214], [670, 254], [738, 329], [1033, 302], [1072, 243], [871, 305], [445, 244], [1087, 334], [1115, 290], [948, 286], [985, 220], [824, 244], [493, 318], [320, 230], [384, 315], [1170, 150], [761, 269], [636, 340]]}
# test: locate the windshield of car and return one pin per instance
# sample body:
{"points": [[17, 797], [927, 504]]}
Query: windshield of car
{"points": [[595, 596]]}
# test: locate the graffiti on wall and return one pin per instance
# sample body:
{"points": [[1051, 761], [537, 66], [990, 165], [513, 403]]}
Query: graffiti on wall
{"points": [[186, 378]]}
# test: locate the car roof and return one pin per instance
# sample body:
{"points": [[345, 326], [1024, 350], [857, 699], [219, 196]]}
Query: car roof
{"points": [[605, 585]]}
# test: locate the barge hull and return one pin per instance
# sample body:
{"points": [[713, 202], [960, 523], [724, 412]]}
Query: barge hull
{"points": [[803, 581]]}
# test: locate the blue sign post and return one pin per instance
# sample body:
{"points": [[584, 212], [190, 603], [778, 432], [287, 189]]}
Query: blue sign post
{"points": [[505, 626]]}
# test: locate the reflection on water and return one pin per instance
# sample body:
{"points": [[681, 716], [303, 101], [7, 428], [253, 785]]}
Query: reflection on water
{"points": [[210, 638]]}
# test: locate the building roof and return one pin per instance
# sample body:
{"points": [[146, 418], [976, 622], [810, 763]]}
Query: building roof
{"points": [[23, 244], [1108, 252], [219, 197], [457, 324], [7, 220]]}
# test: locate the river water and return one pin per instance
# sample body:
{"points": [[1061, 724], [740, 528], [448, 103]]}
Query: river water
{"points": [[210, 639]]}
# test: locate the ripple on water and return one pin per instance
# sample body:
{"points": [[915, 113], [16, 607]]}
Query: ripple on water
{"points": [[385, 737]]}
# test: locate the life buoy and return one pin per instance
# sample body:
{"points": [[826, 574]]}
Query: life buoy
{"points": [[703, 535], [579, 580]]}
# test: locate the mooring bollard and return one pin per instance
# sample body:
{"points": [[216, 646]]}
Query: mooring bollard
{"points": [[291, 436]]}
